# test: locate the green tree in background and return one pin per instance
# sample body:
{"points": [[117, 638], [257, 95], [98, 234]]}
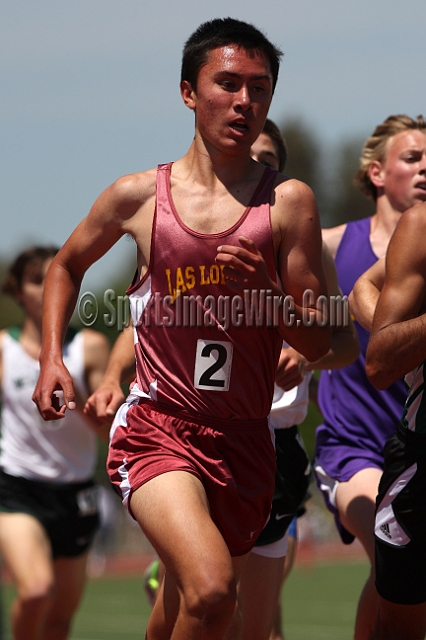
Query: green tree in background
{"points": [[304, 153], [329, 172], [347, 201]]}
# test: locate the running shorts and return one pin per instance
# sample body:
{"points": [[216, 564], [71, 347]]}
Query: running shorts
{"points": [[68, 512], [400, 528], [233, 459], [292, 480]]}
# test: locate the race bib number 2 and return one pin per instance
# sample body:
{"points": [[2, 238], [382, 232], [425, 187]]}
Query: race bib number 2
{"points": [[213, 363]]}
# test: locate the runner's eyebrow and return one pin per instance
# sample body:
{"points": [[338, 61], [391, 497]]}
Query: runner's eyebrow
{"points": [[232, 74]]}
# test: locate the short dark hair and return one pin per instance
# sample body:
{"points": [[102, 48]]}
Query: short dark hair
{"points": [[220, 33], [33, 257], [270, 129]]}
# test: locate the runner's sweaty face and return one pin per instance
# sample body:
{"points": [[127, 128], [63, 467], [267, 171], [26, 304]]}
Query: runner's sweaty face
{"points": [[234, 91], [403, 172]]}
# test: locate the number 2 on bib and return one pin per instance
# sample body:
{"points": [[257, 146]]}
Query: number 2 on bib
{"points": [[213, 362]]}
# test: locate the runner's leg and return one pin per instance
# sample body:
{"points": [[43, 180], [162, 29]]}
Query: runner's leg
{"points": [[27, 554], [200, 596], [356, 502], [70, 578]]}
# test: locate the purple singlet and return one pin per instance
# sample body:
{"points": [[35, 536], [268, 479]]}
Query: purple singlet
{"points": [[358, 418]]}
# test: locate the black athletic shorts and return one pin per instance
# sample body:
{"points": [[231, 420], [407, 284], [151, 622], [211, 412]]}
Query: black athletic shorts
{"points": [[400, 529], [292, 480], [68, 512]]}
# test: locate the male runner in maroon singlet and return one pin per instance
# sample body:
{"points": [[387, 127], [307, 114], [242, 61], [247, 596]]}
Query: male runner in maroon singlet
{"points": [[191, 456]]}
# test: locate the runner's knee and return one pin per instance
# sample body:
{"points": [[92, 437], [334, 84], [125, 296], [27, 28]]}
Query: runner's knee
{"points": [[211, 597], [36, 593]]}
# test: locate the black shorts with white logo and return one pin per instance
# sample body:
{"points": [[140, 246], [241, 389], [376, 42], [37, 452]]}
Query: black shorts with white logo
{"points": [[400, 528], [68, 512], [291, 484]]}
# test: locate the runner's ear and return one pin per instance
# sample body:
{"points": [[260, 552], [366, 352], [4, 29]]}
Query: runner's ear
{"points": [[188, 94]]}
